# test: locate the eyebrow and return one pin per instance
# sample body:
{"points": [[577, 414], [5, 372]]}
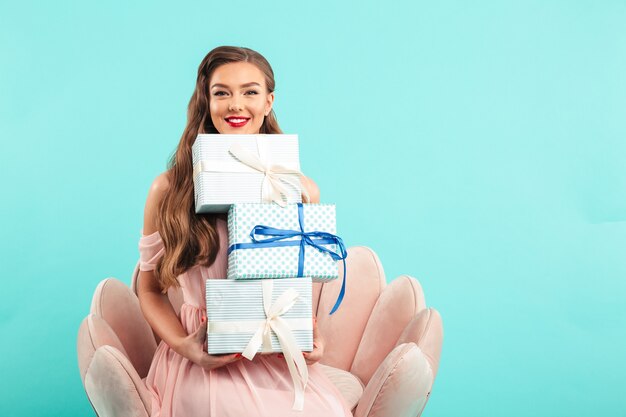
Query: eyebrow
{"points": [[242, 85]]}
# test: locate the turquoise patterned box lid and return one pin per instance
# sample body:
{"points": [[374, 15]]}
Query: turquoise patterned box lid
{"points": [[280, 262]]}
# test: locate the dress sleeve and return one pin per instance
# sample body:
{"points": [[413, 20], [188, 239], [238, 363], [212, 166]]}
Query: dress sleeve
{"points": [[151, 249]]}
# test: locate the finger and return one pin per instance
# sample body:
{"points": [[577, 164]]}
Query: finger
{"points": [[210, 362], [232, 357], [235, 357], [207, 362], [224, 357], [200, 333]]}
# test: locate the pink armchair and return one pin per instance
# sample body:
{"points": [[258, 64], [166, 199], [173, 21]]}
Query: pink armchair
{"points": [[382, 346]]}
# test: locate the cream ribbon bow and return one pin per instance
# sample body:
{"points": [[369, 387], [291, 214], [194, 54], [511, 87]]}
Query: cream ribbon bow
{"points": [[273, 322], [272, 187]]}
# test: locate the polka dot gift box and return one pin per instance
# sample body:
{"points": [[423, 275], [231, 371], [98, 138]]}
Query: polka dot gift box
{"points": [[269, 241]]}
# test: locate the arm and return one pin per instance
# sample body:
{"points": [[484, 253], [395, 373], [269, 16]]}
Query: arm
{"points": [[313, 190], [156, 306]]}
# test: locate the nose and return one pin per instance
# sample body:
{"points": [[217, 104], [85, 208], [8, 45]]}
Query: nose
{"points": [[234, 106]]}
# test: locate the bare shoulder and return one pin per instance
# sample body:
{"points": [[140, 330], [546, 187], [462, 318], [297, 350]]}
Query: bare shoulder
{"points": [[312, 189], [160, 185], [158, 189]]}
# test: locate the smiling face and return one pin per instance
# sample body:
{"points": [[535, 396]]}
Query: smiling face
{"points": [[238, 98]]}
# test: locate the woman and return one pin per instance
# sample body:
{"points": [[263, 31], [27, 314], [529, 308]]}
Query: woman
{"points": [[234, 94]]}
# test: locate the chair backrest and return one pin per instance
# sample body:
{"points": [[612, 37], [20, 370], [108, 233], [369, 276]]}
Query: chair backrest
{"points": [[398, 304], [342, 332]]}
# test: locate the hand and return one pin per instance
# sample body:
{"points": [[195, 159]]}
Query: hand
{"points": [[192, 347], [318, 347]]}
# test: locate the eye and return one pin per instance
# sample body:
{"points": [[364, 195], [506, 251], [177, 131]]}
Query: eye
{"points": [[253, 91], [218, 93]]}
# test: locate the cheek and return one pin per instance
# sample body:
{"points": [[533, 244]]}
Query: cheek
{"points": [[215, 108], [258, 109]]}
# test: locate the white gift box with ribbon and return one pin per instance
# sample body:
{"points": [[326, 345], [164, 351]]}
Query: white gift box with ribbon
{"points": [[237, 309], [229, 168], [263, 316]]}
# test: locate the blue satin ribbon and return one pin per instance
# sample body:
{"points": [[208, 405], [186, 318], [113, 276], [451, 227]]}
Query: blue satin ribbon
{"points": [[275, 238]]}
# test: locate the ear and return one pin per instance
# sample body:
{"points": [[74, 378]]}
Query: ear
{"points": [[268, 104]]}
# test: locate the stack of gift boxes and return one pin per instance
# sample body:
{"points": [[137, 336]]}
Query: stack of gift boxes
{"points": [[276, 247]]}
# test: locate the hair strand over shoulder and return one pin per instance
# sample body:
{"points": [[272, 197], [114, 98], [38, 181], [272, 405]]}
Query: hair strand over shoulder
{"points": [[191, 239]]}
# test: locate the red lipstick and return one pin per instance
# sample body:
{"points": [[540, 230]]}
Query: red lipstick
{"points": [[239, 124]]}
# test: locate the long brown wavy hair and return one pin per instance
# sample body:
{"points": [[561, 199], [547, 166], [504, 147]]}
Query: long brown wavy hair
{"points": [[191, 239]]}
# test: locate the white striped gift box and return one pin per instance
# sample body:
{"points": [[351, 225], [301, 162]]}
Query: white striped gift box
{"points": [[220, 179], [235, 312]]}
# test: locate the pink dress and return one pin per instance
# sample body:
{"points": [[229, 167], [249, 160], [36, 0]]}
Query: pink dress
{"points": [[261, 387]]}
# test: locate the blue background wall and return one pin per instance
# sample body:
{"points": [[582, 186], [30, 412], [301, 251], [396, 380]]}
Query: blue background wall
{"points": [[479, 147]]}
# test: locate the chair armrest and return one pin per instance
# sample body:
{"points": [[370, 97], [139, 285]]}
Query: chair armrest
{"points": [[119, 307], [93, 333], [113, 386], [400, 386], [426, 331]]}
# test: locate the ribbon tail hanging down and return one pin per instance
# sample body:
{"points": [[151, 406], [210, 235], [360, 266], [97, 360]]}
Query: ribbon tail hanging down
{"points": [[254, 344], [273, 190], [293, 355], [295, 361], [342, 292]]}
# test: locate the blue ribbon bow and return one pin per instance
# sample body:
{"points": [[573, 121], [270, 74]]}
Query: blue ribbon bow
{"points": [[276, 238]]}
